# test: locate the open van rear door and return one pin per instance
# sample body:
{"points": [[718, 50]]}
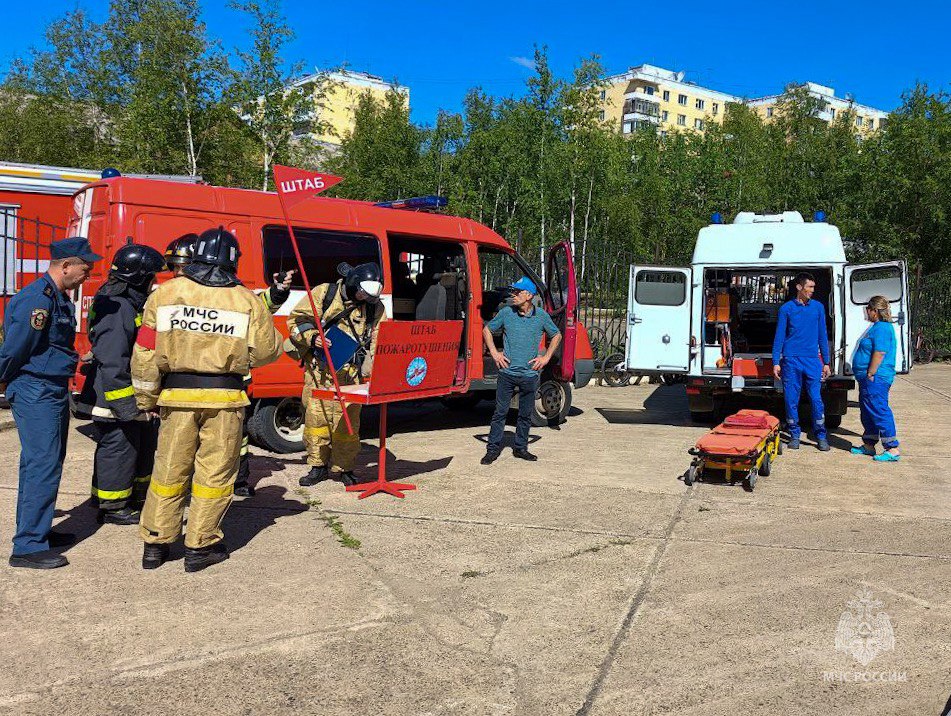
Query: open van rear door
{"points": [[888, 279], [658, 319], [562, 303]]}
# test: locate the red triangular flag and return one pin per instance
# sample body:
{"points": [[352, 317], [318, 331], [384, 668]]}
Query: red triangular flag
{"points": [[297, 185]]}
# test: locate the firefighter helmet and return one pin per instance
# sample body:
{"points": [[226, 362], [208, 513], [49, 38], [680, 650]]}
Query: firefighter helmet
{"points": [[136, 264], [180, 251], [217, 247], [365, 277]]}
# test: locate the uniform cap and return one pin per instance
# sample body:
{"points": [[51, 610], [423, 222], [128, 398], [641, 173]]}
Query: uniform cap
{"points": [[73, 247]]}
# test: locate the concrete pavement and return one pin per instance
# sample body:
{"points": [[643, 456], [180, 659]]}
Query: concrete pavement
{"points": [[591, 582]]}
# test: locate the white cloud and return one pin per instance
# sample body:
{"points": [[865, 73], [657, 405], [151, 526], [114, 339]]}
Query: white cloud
{"points": [[524, 62]]}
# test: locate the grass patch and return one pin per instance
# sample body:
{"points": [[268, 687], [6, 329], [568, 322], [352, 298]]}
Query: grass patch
{"points": [[332, 521], [470, 573]]}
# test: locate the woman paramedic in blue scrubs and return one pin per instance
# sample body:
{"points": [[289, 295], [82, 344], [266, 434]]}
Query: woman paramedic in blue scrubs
{"points": [[874, 367]]}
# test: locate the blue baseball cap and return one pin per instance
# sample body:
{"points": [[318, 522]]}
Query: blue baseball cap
{"points": [[525, 284], [74, 247]]}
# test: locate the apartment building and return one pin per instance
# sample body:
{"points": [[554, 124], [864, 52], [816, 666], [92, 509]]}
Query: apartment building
{"points": [[338, 107], [866, 120], [649, 95]]}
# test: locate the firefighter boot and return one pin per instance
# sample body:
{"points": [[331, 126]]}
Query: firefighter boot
{"points": [[197, 558], [125, 516], [316, 474], [242, 487], [154, 555]]}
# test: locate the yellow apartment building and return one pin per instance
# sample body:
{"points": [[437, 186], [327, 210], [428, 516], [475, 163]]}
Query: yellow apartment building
{"points": [[337, 108], [866, 120], [649, 95]]}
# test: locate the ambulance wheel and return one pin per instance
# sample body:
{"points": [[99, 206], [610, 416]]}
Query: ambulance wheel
{"points": [[552, 403], [766, 466], [278, 426]]}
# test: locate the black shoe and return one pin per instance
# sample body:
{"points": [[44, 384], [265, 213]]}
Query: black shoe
{"points": [[154, 555], [524, 454], [38, 560], [490, 457], [197, 559], [347, 478], [316, 474], [125, 516], [244, 490], [60, 539]]}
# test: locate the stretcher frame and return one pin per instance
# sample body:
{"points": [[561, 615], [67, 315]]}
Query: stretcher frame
{"points": [[756, 462]]}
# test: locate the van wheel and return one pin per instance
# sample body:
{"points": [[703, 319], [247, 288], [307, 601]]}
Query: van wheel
{"points": [[833, 421], [552, 403], [278, 426]]}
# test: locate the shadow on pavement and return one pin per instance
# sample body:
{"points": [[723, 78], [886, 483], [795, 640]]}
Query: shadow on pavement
{"points": [[80, 521], [248, 518], [508, 438]]}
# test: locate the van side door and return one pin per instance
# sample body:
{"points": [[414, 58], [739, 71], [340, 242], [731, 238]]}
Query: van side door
{"points": [[658, 319], [561, 296], [888, 279]]}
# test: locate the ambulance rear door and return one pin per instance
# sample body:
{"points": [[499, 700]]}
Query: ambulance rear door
{"points": [[888, 279], [658, 319]]}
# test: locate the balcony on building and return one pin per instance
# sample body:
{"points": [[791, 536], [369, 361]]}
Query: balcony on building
{"points": [[640, 108]]}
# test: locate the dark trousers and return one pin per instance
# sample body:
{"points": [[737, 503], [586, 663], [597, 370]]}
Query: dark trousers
{"points": [[244, 462], [122, 468], [527, 385], [41, 411]]}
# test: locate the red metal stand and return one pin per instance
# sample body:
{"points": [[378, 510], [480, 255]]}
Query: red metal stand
{"points": [[381, 485]]}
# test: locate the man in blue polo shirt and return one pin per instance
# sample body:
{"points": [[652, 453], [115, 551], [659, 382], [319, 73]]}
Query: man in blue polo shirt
{"points": [[519, 364], [801, 338]]}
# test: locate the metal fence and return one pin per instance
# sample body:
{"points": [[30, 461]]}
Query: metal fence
{"points": [[931, 311], [25, 243]]}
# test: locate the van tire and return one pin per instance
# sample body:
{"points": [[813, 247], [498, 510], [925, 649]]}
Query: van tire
{"points": [[552, 403], [278, 425]]}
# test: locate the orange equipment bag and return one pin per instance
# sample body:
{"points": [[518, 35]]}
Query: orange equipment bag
{"points": [[742, 433]]}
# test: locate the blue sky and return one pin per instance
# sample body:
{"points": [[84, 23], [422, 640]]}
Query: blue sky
{"points": [[872, 49]]}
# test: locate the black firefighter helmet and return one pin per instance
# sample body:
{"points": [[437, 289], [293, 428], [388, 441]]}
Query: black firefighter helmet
{"points": [[365, 277], [136, 264], [215, 262], [180, 251]]}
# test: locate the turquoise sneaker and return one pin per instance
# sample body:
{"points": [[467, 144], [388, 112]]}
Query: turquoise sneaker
{"points": [[862, 450], [886, 457]]}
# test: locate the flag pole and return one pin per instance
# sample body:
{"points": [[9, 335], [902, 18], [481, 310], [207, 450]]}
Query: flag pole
{"points": [[313, 308]]}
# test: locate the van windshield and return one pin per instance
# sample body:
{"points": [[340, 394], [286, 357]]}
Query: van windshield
{"points": [[320, 250]]}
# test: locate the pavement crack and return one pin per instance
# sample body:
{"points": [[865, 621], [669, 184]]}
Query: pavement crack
{"points": [[634, 607], [906, 379]]}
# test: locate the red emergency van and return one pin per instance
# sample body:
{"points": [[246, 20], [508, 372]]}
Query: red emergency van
{"points": [[435, 267]]}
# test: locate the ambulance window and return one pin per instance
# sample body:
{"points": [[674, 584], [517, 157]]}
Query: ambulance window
{"points": [[660, 288], [881, 281], [321, 251]]}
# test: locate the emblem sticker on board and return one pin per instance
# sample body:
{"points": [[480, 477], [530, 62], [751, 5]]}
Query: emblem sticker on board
{"points": [[416, 371], [38, 318]]}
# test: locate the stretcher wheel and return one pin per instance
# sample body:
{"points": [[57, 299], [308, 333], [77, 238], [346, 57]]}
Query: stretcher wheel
{"points": [[767, 465], [779, 445], [691, 475], [749, 482]]}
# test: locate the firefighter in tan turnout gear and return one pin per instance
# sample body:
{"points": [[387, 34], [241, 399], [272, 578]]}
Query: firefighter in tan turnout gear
{"points": [[352, 304], [201, 334]]}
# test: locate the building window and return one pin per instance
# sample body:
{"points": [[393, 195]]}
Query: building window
{"points": [[769, 111], [663, 115], [698, 124], [601, 115], [602, 95], [667, 95], [682, 120], [832, 112], [641, 106], [871, 123], [699, 103], [716, 109], [649, 90], [663, 133], [858, 121], [682, 99], [627, 128]]}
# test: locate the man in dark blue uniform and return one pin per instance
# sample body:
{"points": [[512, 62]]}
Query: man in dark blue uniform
{"points": [[37, 360], [801, 358]]}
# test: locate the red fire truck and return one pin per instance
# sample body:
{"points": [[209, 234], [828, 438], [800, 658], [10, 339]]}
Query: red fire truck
{"points": [[435, 267]]}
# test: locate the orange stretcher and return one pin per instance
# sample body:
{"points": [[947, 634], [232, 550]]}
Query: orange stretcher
{"points": [[743, 444]]}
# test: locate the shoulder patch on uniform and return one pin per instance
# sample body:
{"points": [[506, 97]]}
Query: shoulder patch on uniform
{"points": [[38, 318], [146, 338], [48, 291]]}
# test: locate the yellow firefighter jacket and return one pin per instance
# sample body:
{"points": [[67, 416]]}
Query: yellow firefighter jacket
{"points": [[302, 329], [198, 342]]}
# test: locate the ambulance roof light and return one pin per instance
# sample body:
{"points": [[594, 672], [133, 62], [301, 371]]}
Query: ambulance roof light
{"points": [[416, 203], [716, 218], [110, 172], [819, 216]]}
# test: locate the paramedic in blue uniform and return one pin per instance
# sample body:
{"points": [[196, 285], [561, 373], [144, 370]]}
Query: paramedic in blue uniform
{"points": [[37, 360], [801, 358]]}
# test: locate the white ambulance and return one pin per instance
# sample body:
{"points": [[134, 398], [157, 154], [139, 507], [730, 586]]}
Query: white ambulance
{"points": [[715, 321]]}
